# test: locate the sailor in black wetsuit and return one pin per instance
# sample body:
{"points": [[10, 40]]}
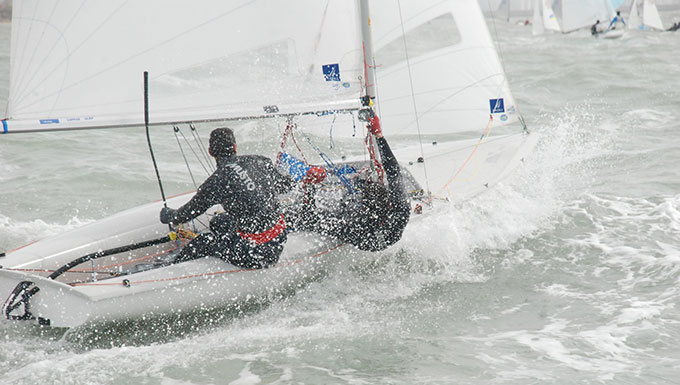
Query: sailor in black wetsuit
{"points": [[252, 230], [594, 30], [379, 219]]}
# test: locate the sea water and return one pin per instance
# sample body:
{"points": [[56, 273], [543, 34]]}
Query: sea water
{"points": [[569, 272]]}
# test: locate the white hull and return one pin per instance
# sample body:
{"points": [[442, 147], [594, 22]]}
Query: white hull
{"points": [[73, 299], [612, 34], [123, 289]]}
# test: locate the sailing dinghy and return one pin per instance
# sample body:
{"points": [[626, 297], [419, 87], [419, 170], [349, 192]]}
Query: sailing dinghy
{"points": [[645, 15], [433, 75]]}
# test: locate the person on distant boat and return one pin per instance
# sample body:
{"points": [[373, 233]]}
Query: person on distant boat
{"points": [[251, 232], [377, 217], [617, 19], [594, 30], [674, 28]]}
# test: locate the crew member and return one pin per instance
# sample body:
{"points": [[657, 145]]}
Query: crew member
{"points": [[594, 30], [618, 18], [379, 217], [251, 232]]}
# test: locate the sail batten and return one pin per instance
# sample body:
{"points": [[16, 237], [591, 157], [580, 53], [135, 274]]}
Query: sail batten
{"points": [[82, 63]]}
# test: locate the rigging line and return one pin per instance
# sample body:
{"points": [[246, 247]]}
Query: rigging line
{"points": [[186, 161], [198, 158], [147, 50], [415, 108], [331, 143], [318, 35], [201, 146], [148, 139]]}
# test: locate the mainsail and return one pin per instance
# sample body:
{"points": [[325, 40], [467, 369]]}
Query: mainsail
{"points": [[634, 16], [644, 15], [650, 15], [79, 64], [544, 17], [577, 14]]}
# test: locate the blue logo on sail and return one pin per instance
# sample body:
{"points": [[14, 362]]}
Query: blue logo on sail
{"points": [[331, 72], [49, 121], [496, 106]]}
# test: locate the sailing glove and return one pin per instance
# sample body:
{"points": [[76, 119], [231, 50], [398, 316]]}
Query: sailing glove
{"points": [[314, 175], [167, 214]]}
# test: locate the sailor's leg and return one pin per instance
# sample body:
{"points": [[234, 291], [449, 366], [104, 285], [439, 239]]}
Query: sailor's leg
{"points": [[199, 247], [250, 256]]}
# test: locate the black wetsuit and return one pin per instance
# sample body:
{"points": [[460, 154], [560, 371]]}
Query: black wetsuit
{"points": [[593, 29], [356, 224], [246, 186]]}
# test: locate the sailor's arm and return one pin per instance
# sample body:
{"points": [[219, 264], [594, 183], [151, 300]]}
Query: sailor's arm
{"points": [[395, 181], [205, 198]]}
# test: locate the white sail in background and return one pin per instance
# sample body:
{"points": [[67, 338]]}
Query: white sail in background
{"points": [[544, 18], [537, 27], [442, 63], [577, 14], [549, 19], [85, 64], [634, 16], [650, 15]]}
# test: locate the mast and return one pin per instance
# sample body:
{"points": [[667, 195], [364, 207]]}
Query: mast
{"points": [[369, 69], [369, 59]]}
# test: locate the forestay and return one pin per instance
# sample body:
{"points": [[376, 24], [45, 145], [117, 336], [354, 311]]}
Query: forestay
{"points": [[437, 68], [79, 64]]}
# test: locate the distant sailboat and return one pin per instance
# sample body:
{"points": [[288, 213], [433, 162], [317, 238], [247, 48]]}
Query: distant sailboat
{"points": [[644, 15], [544, 18], [580, 14]]}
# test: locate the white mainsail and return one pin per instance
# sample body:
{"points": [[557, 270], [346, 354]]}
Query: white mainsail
{"points": [[537, 27], [544, 18], [438, 71], [549, 20], [650, 15], [577, 14], [80, 64], [634, 16]]}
